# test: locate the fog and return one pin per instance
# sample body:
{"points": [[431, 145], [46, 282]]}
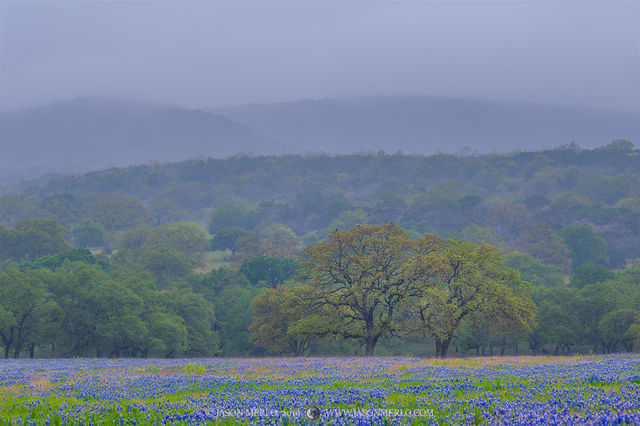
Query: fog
{"points": [[205, 54]]}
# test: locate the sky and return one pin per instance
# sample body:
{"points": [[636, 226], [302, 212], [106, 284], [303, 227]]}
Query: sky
{"points": [[209, 53]]}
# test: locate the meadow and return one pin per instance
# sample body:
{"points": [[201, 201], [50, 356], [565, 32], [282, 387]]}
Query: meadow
{"points": [[518, 390]]}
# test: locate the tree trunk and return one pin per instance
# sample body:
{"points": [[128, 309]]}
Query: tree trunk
{"points": [[444, 347], [7, 348], [370, 346], [503, 346], [32, 350], [516, 348], [53, 350]]}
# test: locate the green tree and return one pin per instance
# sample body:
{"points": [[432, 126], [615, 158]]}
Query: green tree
{"points": [[17, 208], [590, 274], [534, 271], [166, 334], [35, 238], [65, 208], [617, 327], [468, 279], [362, 275], [199, 319], [232, 214], [186, 238], [164, 210], [585, 246], [21, 297], [117, 214], [226, 238], [287, 319], [557, 322], [234, 315], [271, 270], [168, 266], [78, 288], [88, 233], [215, 281]]}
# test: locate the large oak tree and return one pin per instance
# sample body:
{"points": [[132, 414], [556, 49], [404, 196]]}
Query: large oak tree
{"points": [[363, 274]]}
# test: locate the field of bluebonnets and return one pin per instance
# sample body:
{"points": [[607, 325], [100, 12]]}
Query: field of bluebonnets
{"points": [[524, 390]]}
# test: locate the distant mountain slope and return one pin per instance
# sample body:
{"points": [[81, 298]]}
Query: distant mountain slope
{"points": [[430, 124], [86, 133]]}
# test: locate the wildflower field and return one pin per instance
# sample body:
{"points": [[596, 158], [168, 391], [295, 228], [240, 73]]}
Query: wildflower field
{"points": [[522, 390]]}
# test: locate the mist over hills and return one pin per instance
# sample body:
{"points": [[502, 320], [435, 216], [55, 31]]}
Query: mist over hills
{"points": [[89, 133], [424, 124]]}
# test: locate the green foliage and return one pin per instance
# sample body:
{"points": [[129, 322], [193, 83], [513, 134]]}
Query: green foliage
{"points": [[17, 208], [468, 282], [474, 197], [534, 271], [234, 315], [361, 275], [287, 319], [199, 319], [226, 238], [479, 234], [271, 270], [21, 297], [65, 208], [590, 274], [33, 238], [348, 219], [556, 321], [88, 233], [585, 246], [186, 238], [218, 279], [619, 326], [232, 214], [167, 265], [117, 214]]}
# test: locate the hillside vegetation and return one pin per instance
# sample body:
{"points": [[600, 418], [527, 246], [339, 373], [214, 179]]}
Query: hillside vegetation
{"points": [[222, 256]]}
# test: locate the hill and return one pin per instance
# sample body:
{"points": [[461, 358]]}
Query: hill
{"points": [[422, 124], [88, 133]]}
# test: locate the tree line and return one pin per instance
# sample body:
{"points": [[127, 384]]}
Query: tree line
{"points": [[369, 289]]}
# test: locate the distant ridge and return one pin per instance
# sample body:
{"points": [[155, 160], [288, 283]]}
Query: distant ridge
{"points": [[424, 124], [88, 132]]}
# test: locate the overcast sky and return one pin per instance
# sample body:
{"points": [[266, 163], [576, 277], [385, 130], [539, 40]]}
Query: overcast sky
{"points": [[201, 54]]}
